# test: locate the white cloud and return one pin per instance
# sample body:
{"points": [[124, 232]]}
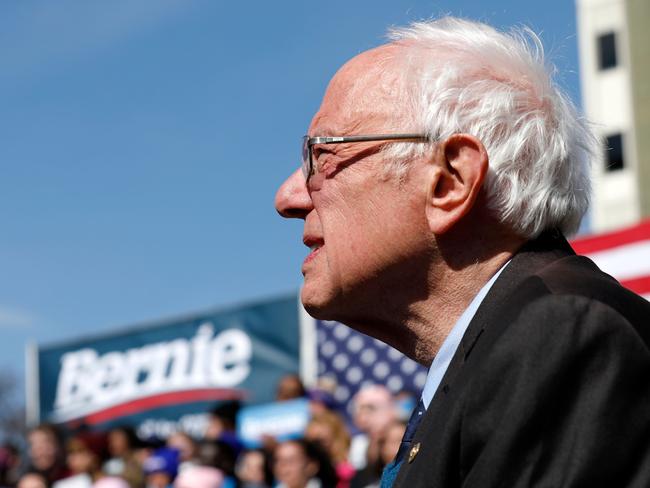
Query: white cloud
{"points": [[14, 318]]}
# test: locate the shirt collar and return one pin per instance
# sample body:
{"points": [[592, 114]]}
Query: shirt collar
{"points": [[448, 349]]}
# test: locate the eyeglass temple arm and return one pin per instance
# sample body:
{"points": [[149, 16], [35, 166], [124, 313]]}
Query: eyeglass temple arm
{"points": [[378, 137]]}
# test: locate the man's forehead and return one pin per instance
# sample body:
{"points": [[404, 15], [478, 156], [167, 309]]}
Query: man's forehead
{"points": [[366, 66], [360, 94], [373, 395]]}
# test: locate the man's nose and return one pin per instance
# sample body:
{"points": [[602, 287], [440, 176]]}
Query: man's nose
{"points": [[292, 200]]}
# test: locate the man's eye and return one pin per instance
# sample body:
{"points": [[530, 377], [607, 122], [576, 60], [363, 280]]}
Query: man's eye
{"points": [[320, 152]]}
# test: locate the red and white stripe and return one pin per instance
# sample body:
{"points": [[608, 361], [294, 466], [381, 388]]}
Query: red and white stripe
{"points": [[624, 254]]}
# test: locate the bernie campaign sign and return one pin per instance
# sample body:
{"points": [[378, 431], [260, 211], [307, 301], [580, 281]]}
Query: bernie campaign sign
{"points": [[165, 377]]}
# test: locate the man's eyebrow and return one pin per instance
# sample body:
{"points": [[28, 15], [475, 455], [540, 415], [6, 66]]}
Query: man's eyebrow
{"points": [[327, 130]]}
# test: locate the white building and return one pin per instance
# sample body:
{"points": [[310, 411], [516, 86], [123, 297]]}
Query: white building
{"points": [[614, 46]]}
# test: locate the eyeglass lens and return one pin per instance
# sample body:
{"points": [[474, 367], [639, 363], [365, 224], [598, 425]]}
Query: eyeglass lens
{"points": [[306, 157]]}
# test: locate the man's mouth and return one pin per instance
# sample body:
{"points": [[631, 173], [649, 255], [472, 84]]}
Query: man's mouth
{"points": [[315, 245], [313, 251]]}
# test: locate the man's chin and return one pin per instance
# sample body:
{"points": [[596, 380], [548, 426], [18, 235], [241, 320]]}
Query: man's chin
{"points": [[319, 307], [318, 311]]}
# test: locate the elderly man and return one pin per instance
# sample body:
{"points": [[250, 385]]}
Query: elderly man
{"points": [[374, 412], [438, 179]]}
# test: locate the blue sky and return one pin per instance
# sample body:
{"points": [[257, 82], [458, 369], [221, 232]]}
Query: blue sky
{"points": [[141, 144]]}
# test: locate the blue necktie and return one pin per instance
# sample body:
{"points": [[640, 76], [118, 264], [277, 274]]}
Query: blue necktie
{"points": [[391, 469]]}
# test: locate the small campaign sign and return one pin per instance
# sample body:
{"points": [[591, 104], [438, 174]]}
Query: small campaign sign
{"points": [[280, 420]]}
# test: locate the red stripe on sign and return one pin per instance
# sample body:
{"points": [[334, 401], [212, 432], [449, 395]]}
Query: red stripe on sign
{"points": [[639, 285], [602, 242], [163, 400]]}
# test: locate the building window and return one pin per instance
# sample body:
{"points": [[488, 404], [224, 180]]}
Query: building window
{"points": [[607, 51], [614, 160]]}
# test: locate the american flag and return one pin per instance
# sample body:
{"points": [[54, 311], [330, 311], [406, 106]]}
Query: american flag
{"points": [[624, 254], [354, 360]]}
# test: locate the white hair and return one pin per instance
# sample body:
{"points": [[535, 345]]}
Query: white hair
{"points": [[461, 76]]}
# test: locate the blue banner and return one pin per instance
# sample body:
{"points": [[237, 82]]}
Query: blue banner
{"points": [[165, 377]]}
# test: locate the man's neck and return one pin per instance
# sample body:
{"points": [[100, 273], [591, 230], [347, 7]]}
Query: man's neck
{"points": [[430, 321]]}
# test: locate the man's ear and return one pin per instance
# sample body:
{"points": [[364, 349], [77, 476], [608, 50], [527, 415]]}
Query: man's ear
{"points": [[460, 165]]}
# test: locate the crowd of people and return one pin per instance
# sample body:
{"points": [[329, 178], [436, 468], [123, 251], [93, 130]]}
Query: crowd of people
{"points": [[334, 451]]}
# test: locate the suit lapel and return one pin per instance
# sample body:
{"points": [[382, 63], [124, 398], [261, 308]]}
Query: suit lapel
{"points": [[531, 258]]}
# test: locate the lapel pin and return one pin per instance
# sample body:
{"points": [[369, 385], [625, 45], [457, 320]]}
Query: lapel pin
{"points": [[414, 452]]}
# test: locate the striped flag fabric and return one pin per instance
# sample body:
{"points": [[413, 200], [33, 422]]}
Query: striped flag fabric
{"points": [[353, 359], [624, 254]]}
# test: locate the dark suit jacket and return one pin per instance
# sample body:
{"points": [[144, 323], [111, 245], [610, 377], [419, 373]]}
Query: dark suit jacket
{"points": [[550, 386]]}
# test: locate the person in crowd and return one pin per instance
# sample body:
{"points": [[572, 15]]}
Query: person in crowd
{"points": [[32, 480], [111, 482], [161, 468], [290, 387], [10, 464], [146, 447], [391, 441], [373, 411], [300, 463], [370, 476], [321, 396], [439, 178], [321, 400], [199, 477], [254, 469], [222, 421], [187, 448], [328, 429], [122, 443], [220, 441], [85, 454], [221, 455], [45, 453]]}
